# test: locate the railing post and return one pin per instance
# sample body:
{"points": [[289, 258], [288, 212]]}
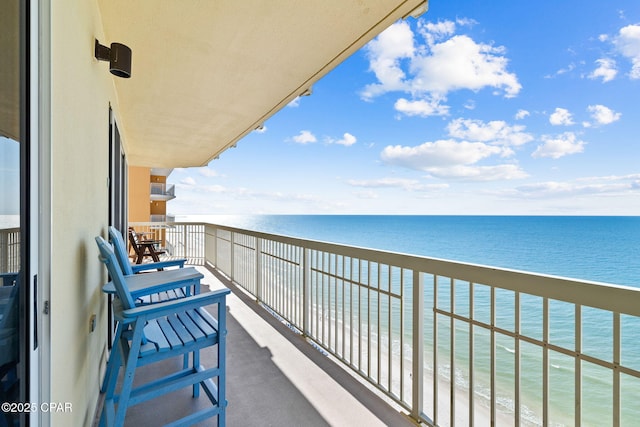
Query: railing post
{"points": [[258, 265], [215, 247], [204, 244], [4, 251], [232, 255], [418, 346], [184, 239], [306, 291]]}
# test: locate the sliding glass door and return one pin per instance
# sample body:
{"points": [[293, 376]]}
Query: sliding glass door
{"points": [[18, 336]]}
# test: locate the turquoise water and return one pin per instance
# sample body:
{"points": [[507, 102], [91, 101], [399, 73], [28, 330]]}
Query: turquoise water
{"points": [[603, 249]]}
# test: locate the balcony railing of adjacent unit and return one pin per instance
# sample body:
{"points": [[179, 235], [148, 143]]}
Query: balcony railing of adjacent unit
{"points": [[452, 343], [162, 218], [162, 191], [9, 250]]}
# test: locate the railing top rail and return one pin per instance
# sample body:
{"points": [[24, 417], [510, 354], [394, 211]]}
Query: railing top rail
{"points": [[10, 230], [606, 296]]}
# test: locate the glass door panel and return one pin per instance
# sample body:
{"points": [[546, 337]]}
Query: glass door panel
{"points": [[13, 205]]}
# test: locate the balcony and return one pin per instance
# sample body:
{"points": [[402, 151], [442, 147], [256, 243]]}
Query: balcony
{"points": [[162, 192], [273, 378], [446, 343]]}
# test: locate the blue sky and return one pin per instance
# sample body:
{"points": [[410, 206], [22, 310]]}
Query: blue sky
{"points": [[495, 107]]}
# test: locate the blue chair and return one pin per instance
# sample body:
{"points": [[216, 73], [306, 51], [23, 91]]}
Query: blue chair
{"points": [[151, 333], [154, 287]]}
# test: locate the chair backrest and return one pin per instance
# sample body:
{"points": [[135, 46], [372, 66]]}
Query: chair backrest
{"points": [[121, 250], [108, 257], [133, 240]]}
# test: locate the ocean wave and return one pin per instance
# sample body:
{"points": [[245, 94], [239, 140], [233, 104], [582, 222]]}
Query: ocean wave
{"points": [[507, 349]]}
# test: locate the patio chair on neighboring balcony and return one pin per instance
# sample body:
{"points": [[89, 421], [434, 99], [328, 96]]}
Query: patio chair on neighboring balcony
{"points": [[192, 286], [123, 258], [144, 247], [155, 332]]}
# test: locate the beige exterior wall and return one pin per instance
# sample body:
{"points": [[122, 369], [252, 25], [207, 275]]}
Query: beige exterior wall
{"points": [[81, 93], [139, 194]]}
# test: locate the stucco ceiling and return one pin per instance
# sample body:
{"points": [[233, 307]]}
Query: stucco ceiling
{"points": [[207, 72]]}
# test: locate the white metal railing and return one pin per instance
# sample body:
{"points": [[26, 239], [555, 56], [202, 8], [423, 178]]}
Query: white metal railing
{"points": [[9, 250], [453, 343]]}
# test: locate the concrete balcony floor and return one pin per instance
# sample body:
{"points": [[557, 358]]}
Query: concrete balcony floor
{"points": [[274, 378]]}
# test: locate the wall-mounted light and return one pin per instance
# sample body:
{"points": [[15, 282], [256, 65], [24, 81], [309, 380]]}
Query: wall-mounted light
{"points": [[119, 57], [307, 92]]}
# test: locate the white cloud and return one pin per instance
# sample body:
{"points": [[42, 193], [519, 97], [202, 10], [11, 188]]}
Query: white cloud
{"points": [[347, 140], [449, 159], [188, 181], [602, 115], [384, 53], [606, 70], [436, 31], [627, 42], [605, 185], [212, 189], [367, 195], [559, 146], [495, 132], [461, 63], [405, 184], [561, 117], [294, 103], [422, 108], [479, 173], [443, 63], [521, 114], [472, 141], [208, 172], [443, 153], [304, 137], [470, 104]]}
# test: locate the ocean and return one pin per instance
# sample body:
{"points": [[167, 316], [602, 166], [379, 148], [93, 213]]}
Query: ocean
{"points": [[600, 249]]}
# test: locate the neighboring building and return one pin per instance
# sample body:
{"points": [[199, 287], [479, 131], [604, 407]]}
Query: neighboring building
{"points": [[148, 194]]}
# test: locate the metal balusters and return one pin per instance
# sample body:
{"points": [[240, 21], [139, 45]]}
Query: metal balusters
{"points": [[345, 299]]}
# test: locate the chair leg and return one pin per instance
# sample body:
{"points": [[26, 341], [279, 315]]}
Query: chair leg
{"points": [[115, 359], [222, 364], [129, 372], [196, 364]]}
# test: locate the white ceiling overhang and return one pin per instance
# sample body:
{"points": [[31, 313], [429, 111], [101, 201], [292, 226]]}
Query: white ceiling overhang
{"points": [[207, 72]]}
